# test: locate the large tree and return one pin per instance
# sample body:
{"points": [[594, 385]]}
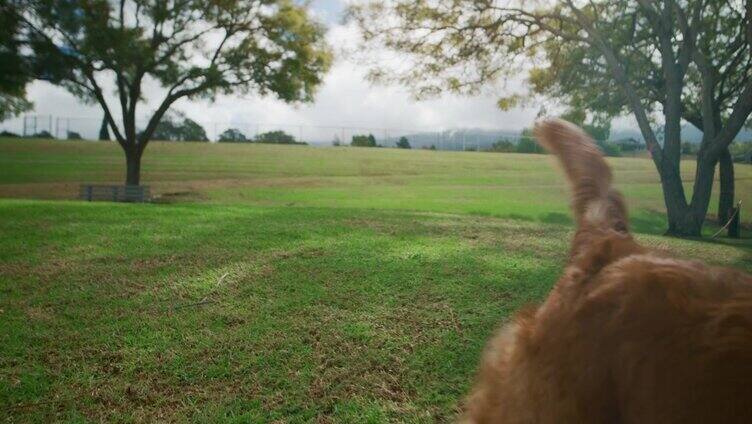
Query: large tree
{"points": [[191, 48], [175, 126], [663, 62]]}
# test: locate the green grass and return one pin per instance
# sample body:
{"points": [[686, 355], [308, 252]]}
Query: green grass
{"points": [[279, 284]]}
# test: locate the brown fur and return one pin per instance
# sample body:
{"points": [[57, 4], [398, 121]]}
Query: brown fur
{"points": [[626, 335]]}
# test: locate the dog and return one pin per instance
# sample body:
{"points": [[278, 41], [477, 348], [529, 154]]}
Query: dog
{"points": [[627, 335]]}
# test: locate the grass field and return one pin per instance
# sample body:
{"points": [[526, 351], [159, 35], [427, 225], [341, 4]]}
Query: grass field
{"points": [[279, 284]]}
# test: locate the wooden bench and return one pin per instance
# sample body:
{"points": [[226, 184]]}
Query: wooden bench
{"points": [[115, 193]]}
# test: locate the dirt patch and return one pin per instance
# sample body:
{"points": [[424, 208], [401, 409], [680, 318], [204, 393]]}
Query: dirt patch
{"points": [[178, 196]]}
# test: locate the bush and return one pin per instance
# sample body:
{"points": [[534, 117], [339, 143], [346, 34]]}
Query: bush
{"points": [[403, 143], [528, 145], [177, 127], [276, 137], [503, 146], [363, 141], [72, 135], [688, 148], [232, 135], [8, 134], [741, 152], [609, 149], [42, 134]]}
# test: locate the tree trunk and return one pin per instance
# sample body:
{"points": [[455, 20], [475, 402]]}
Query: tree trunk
{"points": [[104, 133], [689, 221], [726, 174], [133, 166], [682, 222]]}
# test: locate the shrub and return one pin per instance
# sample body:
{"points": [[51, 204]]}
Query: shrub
{"points": [[276, 137], [609, 149], [403, 143], [688, 148], [363, 141], [528, 145], [232, 135], [502, 145]]}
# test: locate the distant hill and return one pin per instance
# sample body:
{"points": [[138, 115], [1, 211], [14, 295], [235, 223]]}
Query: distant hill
{"points": [[477, 138], [689, 133]]}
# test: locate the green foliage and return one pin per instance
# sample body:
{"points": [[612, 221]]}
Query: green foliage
{"points": [[104, 131], [42, 134], [598, 126], [178, 127], [609, 148], [527, 143], [502, 146], [72, 135], [363, 141], [742, 152], [688, 148], [403, 143], [276, 137], [14, 70], [232, 135]]}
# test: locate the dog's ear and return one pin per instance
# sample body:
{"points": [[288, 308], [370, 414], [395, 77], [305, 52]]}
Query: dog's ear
{"points": [[597, 206]]}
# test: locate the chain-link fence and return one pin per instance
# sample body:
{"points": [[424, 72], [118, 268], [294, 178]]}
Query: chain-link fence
{"points": [[88, 128]]}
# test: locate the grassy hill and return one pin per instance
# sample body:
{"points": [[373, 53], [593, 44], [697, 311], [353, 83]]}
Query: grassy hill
{"points": [[278, 283]]}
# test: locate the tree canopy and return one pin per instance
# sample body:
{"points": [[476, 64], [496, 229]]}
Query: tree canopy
{"points": [[363, 141], [232, 135], [191, 48], [14, 71], [403, 143], [175, 126], [276, 137]]}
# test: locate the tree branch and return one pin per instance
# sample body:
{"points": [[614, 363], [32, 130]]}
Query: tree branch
{"points": [[621, 78]]}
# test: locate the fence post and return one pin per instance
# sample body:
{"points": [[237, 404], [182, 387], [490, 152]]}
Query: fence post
{"points": [[734, 227]]}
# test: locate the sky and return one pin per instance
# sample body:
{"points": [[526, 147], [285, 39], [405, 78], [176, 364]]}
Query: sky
{"points": [[345, 99]]}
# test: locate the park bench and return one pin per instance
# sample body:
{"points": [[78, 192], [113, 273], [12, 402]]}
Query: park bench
{"points": [[115, 193]]}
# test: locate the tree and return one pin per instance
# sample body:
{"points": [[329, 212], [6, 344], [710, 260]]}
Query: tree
{"points": [[232, 135], [191, 48], [403, 143], [363, 141], [659, 61], [276, 137], [527, 143], [14, 71], [192, 131], [104, 132], [502, 146], [176, 126]]}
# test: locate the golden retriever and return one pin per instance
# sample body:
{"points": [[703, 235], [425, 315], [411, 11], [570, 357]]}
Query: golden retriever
{"points": [[627, 335]]}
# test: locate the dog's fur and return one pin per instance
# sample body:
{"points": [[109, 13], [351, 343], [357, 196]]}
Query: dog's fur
{"points": [[626, 335]]}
